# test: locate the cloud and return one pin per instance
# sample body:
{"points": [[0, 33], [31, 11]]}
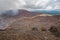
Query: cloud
{"points": [[29, 4], [40, 4], [57, 5], [35, 4]]}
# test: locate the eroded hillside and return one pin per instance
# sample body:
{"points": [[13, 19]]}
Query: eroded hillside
{"points": [[37, 27]]}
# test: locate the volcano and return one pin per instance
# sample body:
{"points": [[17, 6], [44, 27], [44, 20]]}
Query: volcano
{"points": [[28, 25]]}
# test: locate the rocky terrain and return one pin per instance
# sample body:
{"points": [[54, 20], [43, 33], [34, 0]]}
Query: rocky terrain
{"points": [[30, 26]]}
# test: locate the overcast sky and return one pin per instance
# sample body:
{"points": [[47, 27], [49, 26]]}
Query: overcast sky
{"points": [[29, 4]]}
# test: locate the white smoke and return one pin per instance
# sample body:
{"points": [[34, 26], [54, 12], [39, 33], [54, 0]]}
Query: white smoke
{"points": [[8, 5]]}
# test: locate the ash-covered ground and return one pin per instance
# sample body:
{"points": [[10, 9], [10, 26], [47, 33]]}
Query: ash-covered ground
{"points": [[29, 26]]}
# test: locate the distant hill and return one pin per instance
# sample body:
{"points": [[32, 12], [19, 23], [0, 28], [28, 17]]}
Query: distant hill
{"points": [[52, 12], [19, 12]]}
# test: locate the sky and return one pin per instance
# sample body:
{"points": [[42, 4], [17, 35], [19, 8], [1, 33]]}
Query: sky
{"points": [[29, 4]]}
